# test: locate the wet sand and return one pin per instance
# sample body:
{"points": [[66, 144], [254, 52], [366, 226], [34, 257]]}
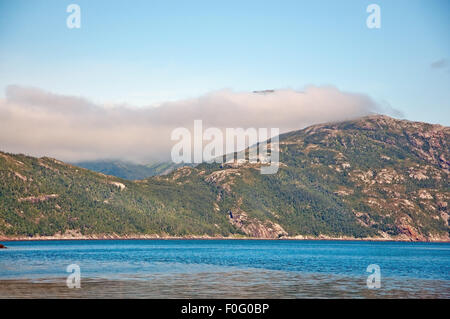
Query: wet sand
{"points": [[261, 284]]}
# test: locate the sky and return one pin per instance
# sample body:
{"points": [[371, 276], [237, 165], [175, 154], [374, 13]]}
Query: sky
{"points": [[149, 54]]}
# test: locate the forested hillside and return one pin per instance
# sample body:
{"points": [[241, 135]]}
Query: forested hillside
{"points": [[375, 177]]}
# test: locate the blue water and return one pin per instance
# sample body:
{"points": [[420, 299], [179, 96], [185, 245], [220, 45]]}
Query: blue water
{"points": [[147, 259]]}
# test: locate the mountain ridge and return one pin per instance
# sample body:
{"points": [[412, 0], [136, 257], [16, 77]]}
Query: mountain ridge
{"points": [[128, 170], [373, 178]]}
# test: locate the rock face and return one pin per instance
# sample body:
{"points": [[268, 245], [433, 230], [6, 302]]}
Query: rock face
{"points": [[255, 228], [2, 246], [373, 178], [37, 199]]}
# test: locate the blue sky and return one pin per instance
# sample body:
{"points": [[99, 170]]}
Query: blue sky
{"points": [[147, 52]]}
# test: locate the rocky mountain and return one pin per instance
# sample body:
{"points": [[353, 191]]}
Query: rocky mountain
{"points": [[370, 178]]}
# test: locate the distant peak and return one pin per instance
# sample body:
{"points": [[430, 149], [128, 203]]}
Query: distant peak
{"points": [[264, 91]]}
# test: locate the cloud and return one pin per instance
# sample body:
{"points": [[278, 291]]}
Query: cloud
{"points": [[439, 64], [40, 123]]}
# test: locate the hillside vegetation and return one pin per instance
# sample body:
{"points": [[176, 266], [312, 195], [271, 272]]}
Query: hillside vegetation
{"points": [[129, 170], [375, 177]]}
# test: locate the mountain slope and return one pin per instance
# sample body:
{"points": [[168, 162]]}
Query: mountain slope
{"points": [[389, 175], [128, 170], [374, 177]]}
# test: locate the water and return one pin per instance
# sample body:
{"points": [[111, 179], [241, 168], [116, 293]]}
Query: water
{"points": [[224, 269]]}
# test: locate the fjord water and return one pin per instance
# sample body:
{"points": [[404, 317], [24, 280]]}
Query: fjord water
{"points": [[224, 269]]}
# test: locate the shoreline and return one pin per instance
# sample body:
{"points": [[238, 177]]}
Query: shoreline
{"points": [[204, 237]]}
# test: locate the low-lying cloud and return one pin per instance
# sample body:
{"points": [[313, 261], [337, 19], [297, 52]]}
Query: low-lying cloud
{"points": [[40, 123]]}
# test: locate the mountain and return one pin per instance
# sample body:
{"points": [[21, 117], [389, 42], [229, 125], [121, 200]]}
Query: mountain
{"points": [[127, 170], [371, 178]]}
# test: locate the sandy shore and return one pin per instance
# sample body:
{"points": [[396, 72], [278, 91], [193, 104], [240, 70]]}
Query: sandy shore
{"points": [[236, 284]]}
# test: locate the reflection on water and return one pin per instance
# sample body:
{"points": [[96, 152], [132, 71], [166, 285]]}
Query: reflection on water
{"points": [[236, 284], [224, 269]]}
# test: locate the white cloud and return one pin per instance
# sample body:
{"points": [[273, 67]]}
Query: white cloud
{"points": [[69, 128]]}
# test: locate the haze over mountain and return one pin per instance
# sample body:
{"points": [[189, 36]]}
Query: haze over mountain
{"points": [[128, 170], [74, 129], [375, 177]]}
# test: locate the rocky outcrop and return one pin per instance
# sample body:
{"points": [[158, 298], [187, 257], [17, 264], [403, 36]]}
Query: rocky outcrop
{"points": [[255, 228], [120, 186], [38, 199]]}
